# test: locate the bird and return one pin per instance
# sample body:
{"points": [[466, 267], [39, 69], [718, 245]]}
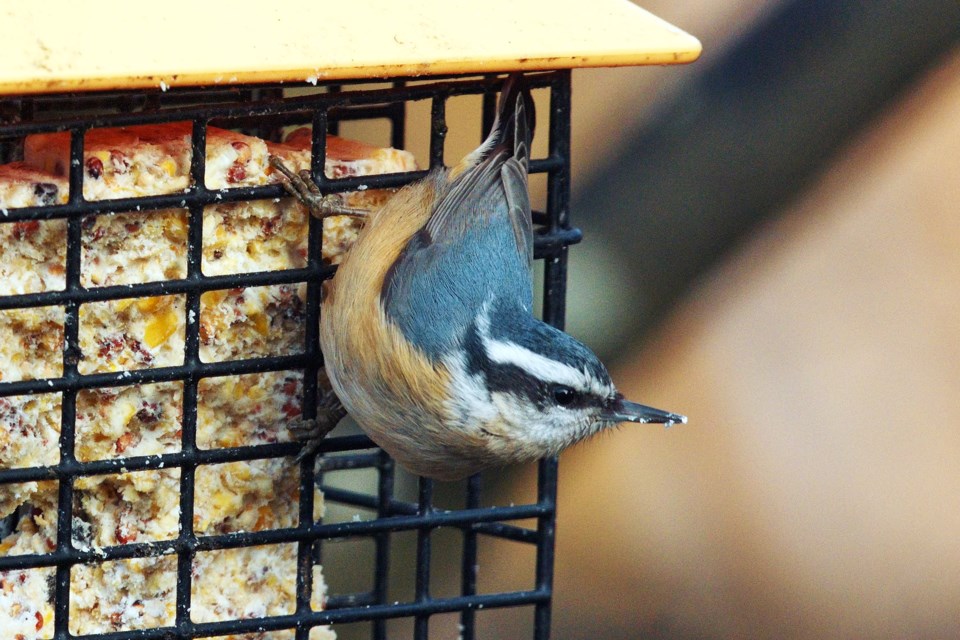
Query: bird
{"points": [[427, 328]]}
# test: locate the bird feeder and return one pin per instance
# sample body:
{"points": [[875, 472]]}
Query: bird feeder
{"points": [[159, 301]]}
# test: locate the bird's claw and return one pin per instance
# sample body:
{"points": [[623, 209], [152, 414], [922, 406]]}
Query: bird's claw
{"points": [[312, 431], [302, 187]]}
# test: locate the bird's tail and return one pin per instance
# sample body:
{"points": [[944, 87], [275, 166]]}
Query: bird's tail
{"points": [[512, 128]]}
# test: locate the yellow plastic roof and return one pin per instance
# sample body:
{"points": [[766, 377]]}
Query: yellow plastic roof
{"points": [[86, 45]]}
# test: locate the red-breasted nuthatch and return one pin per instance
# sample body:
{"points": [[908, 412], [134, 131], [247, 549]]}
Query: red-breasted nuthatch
{"points": [[427, 329]]}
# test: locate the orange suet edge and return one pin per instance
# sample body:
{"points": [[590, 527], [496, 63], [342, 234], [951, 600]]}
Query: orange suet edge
{"points": [[63, 45]]}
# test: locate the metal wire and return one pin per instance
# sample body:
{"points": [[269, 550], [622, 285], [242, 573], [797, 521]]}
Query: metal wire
{"points": [[263, 109]]}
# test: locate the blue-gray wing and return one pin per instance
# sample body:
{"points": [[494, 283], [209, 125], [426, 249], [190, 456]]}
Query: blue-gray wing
{"points": [[476, 248], [495, 189], [477, 245]]}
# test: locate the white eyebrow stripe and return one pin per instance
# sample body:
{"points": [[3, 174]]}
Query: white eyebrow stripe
{"points": [[535, 364], [538, 366]]}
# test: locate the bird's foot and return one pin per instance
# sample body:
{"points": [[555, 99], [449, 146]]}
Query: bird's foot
{"points": [[312, 431], [302, 187]]}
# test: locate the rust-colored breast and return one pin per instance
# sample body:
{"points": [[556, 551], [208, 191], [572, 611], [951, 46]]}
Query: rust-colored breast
{"points": [[378, 373]]}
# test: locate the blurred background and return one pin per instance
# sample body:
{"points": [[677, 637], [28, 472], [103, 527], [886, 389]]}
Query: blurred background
{"points": [[772, 246]]}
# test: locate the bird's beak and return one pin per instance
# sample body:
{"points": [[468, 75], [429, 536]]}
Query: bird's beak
{"points": [[622, 410]]}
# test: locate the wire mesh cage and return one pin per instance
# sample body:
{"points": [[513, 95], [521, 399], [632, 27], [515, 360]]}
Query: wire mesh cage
{"points": [[175, 553]]}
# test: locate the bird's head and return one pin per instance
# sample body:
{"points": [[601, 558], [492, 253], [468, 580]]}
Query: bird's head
{"points": [[533, 390]]}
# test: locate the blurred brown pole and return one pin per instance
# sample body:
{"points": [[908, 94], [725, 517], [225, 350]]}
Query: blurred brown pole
{"points": [[744, 135]]}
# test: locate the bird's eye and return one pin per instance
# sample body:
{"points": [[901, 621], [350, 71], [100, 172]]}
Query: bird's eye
{"points": [[563, 396]]}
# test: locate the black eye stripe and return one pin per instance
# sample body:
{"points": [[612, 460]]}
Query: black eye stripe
{"points": [[502, 378]]}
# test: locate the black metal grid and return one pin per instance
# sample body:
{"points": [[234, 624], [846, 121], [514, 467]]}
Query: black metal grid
{"points": [[261, 110]]}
